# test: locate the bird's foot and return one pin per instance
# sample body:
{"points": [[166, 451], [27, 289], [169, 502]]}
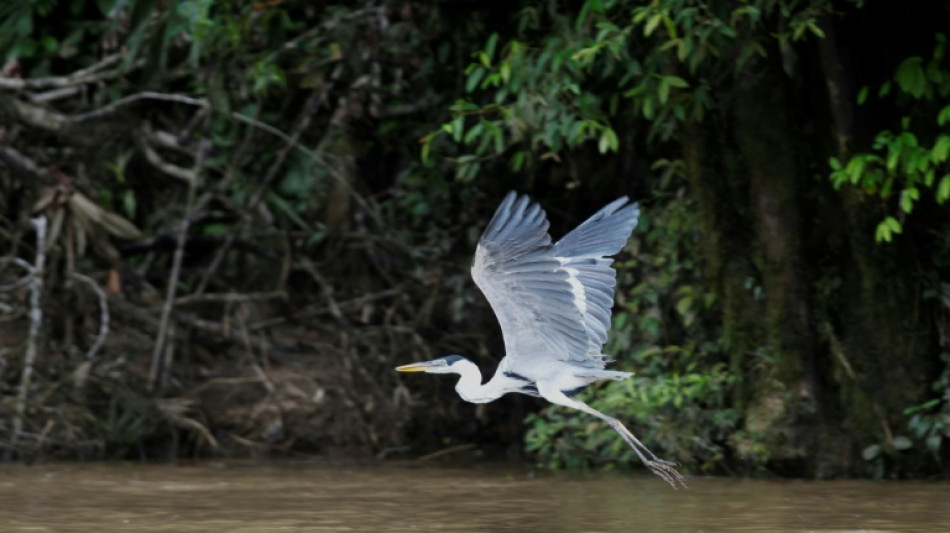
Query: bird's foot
{"points": [[666, 470]]}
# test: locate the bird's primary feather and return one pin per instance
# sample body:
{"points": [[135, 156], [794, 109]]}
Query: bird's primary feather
{"points": [[553, 301]]}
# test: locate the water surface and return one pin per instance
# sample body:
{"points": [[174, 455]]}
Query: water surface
{"points": [[307, 497]]}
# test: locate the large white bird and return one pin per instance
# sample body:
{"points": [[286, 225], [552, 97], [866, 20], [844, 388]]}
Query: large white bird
{"points": [[553, 302]]}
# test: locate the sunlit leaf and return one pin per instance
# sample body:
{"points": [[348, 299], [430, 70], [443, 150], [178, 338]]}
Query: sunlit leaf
{"points": [[944, 116], [871, 452], [652, 24], [943, 189], [901, 442], [933, 443]]}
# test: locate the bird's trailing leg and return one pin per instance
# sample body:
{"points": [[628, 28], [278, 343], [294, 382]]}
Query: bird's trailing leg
{"points": [[666, 470], [661, 467]]}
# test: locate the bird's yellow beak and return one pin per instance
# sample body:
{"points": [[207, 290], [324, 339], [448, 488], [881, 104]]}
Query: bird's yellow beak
{"points": [[419, 367]]}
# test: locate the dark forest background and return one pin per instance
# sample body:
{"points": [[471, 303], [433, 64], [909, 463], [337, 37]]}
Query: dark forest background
{"points": [[224, 223]]}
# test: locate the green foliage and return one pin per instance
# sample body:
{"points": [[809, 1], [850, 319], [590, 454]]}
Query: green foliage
{"points": [[32, 29], [535, 98], [929, 421], [914, 158]]}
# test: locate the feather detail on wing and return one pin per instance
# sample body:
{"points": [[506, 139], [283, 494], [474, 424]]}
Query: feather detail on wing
{"points": [[553, 301], [584, 254]]}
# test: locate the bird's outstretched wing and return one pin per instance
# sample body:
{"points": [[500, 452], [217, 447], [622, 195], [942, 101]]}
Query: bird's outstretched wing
{"points": [[552, 300], [584, 254]]}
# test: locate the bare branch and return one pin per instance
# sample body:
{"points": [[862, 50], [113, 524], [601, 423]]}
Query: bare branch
{"points": [[33, 115], [188, 176], [22, 281], [36, 322], [163, 327], [171, 141], [54, 94], [20, 163], [90, 74], [138, 97], [231, 297]]}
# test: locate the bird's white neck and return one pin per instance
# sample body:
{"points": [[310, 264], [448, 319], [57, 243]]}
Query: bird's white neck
{"points": [[470, 386]]}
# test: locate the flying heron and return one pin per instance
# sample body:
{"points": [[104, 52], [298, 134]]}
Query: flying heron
{"points": [[553, 302]]}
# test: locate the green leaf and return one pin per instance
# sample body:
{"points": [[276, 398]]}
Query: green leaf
{"points": [[517, 161], [855, 168], [677, 82], [648, 108], [652, 24], [458, 128], [473, 133], [670, 26], [871, 452], [426, 148], [941, 149], [944, 116], [901, 442], [908, 196], [490, 47], [664, 90], [884, 90], [683, 49], [886, 229], [888, 186], [863, 95], [603, 144], [684, 304], [474, 77], [505, 71], [612, 142], [284, 207], [933, 442], [893, 224], [893, 158], [499, 140], [910, 76], [943, 189]]}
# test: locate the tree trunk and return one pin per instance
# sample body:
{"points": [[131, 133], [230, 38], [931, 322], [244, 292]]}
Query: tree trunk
{"points": [[784, 404], [725, 249]]}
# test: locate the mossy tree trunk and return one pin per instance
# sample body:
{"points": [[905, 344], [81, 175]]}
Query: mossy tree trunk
{"points": [[863, 359], [766, 144], [725, 245]]}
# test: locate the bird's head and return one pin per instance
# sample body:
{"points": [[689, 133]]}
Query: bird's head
{"points": [[450, 364]]}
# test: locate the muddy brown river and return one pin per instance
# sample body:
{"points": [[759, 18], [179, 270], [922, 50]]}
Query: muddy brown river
{"points": [[305, 497]]}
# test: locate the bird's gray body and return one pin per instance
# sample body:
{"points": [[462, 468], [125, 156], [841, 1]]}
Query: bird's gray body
{"points": [[553, 301]]}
